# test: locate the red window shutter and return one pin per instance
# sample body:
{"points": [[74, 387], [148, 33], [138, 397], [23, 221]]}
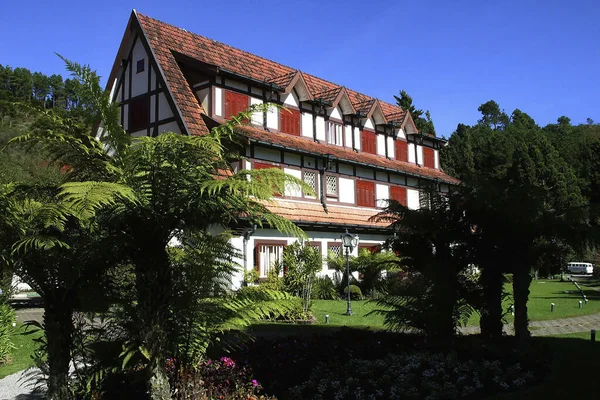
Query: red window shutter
{"points": [[398, 193], [235, 103], [428, 157], [365, 193], [259, 165], [401, 150], [289, 122], [369, 142]]}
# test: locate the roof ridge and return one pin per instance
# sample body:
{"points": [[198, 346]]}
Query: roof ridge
{"points": [[283, 66]]}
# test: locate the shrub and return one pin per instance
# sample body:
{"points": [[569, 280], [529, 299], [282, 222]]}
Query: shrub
{"points": [[7, 318], [324, 289], [355, 292], [214, 379], [294, 313]]}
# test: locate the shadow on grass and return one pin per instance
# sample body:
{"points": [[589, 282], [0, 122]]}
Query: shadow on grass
{"points": [[574, 370]]}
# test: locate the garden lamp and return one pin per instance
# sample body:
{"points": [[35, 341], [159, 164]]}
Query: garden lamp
{"points": [[350, 242]]}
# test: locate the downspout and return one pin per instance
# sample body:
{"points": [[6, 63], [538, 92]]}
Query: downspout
{"points": [[246, 236], [322, 185]]}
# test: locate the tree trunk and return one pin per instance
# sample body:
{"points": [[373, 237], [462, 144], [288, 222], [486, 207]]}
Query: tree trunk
{"points": [[491, 313], [154, 286], [521, 283], [58, 324]]}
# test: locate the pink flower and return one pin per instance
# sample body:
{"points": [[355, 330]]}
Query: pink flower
{"points": [[254, 383]]}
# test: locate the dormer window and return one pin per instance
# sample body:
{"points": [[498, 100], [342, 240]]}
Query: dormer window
{"points": [[334, 133]]}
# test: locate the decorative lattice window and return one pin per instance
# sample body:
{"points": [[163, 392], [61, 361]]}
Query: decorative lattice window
{"points": [[310, 178], [334, 249], [332, 188]]}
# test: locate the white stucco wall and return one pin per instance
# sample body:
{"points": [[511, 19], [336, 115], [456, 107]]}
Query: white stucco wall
{"points": [[348, 135], [436, 158], [307, 124], [369, 124], [411, 153], [139, 82], [336, 114], [164, 109], [380, 145], [357, 142], [257, 117], [346, 190], [218, 102], [170, 127], [420, 154], [320, 128], [293, 190], [290, 100], [412, 199], [273, 118], [382, 193], [265, 153], [391, 148]]}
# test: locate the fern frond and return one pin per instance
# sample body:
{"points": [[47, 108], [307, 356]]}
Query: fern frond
{"points": [[85, 198]]}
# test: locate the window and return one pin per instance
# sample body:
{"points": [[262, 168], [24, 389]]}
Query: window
{"points": [[234, 103], [140, 66], [401, 148], [368, 142], [139, 117], [289, 122], [310, 178], [334, 249], [331, 189], [267, 256], [334, 133], [428, 157], [398, 193], [365, 193]]}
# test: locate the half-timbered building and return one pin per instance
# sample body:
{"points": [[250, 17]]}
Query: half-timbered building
{"points": [[354, 150]]}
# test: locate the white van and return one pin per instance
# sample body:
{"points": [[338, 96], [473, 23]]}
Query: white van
{"points": [[580, 268]]}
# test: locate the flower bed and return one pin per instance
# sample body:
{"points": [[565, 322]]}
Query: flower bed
{"points": [[353, 364]]}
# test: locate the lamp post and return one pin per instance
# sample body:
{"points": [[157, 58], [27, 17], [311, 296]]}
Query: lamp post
{"points": [[350, 242]]}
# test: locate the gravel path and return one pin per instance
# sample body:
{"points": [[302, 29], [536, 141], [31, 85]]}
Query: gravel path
{"points": [[17, 387]]}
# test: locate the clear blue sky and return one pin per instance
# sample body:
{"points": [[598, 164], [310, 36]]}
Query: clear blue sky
{"points": [[542, 57]]}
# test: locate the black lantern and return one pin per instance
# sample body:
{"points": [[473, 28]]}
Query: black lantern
{"points": [[350, 242]]}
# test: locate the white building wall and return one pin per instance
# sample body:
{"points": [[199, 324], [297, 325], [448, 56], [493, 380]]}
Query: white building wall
{"points": [[236, 85], [307, 124], [139, 82], [293, 190], [369, 124], [164, 109], [204, 98], [347, 191], [400, 133], [436, 158], [348, 135], [412, 199], [411, 153], [273, 118], [257, 117], [290, 100], [152, 77], [380, 145], [420, 155], [335, 113], [382, 193], [391, 148], [323, 238], [357, 142], [265, 153], [320, 128], [218, 101], [170, 127]]}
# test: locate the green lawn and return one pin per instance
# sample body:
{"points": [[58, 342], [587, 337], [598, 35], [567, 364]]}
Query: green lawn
{"points": [[21, 355], [564, 295], [575, 370]]}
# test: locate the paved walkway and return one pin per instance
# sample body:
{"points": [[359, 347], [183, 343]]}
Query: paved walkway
{"points": [[584, 323]]}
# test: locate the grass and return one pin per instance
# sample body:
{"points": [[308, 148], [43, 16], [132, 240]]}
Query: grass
{"points": [[21, 355], [575, 369]]}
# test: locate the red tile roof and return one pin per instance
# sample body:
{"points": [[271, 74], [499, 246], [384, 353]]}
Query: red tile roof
{"points": [[165, 39], [342, 153], [302, 212]]}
